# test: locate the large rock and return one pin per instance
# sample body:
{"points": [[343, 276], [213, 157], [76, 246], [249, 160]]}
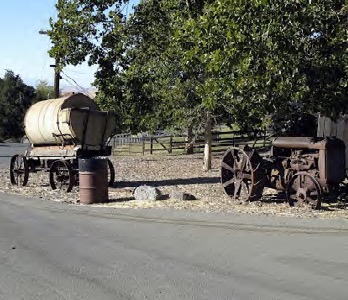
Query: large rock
{"points": [[147, 193], [177, 195]]}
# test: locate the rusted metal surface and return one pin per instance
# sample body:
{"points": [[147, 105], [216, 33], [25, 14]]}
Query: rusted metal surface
{"points": [[240, 174], [62, 175], [304, 188], [19, 170], [338, 128], [294, 142], [308, 169], [93, 180]]}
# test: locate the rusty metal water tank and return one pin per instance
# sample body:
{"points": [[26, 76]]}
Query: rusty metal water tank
{"points": [[93, 180]]}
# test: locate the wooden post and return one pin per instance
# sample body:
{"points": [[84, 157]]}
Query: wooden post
{"points": [[144, 145], [207, 143], [170, 144], [190, 140], [56, 71], [151, 145], [113, 145], [56, 79]]}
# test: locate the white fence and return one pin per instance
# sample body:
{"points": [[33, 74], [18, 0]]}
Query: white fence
{"points": [[125, 139]]}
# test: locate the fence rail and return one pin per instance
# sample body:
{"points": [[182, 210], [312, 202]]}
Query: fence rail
{"points": [[126, 144]]}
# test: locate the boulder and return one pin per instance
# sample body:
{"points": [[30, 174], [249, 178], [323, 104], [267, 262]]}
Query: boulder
{"points": [[147, 193], [181, 196]]}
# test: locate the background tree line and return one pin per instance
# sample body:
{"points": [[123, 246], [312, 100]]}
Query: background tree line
{"points": [[15, 98]]}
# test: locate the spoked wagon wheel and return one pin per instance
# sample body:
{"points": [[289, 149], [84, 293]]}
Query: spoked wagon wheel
{"points": [[241, 175], [19, 170], [302, 189], [61, 175], [111, 173]]}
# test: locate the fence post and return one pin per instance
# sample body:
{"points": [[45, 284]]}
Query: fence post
{"points": [[170, 144], [143, 145], [151, 145], [113, 145]]}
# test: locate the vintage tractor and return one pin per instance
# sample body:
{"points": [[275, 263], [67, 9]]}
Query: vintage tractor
{"points": [[306, 169]]}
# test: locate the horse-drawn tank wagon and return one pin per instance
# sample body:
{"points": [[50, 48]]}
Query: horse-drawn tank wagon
{"points": [[61, 131]]}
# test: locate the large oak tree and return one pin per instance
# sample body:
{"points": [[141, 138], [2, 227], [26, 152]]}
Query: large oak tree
{"points": [[187, 63]]}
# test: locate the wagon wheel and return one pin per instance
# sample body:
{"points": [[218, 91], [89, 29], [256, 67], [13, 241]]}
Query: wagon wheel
{"points": [[241, 175], [111, 173], [61, 175], [19, 170], [302, 189]]}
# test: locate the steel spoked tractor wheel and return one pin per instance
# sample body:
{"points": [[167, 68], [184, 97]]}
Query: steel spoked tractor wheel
{"points": [[241, 175], [304, 189], [61, 176], [19, 170]]}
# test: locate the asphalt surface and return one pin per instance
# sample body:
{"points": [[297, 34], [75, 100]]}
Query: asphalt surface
{"points": [[8, 150], [50, 250]]}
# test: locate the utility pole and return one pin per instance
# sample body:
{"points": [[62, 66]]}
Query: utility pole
{"points": [[56, 78], [56, 72]]}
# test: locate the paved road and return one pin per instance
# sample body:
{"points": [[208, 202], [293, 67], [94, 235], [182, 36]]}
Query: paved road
{"points": [[8, 150], [50, 250]]}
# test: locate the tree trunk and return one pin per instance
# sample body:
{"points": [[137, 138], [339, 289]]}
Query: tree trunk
{"points": [[190, 140], [207, 143]]}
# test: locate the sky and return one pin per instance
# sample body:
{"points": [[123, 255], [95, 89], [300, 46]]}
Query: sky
{"points": [[24, 51]]}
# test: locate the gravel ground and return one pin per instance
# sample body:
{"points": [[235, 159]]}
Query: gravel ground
{"points": [[172, 173]]}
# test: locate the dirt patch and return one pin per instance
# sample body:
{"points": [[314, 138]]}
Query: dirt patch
{"points": [[169, 174]]}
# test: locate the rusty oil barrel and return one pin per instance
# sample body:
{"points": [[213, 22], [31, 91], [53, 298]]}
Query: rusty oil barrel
{"points": [[93, 179]]}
